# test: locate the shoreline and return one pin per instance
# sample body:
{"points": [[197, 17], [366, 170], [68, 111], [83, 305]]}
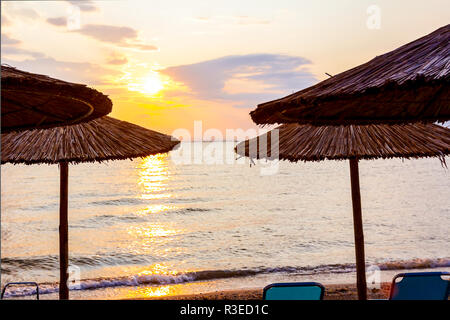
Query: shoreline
{"points": [[337, 287], [332, 292]]}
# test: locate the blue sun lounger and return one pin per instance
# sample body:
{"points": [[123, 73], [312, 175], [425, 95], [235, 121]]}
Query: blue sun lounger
{"points": [[294, 291], [420, 286]]}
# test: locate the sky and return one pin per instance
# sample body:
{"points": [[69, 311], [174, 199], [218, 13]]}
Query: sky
{"points": [[166, 64]]}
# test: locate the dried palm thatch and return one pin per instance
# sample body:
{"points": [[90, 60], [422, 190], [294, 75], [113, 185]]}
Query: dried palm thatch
{"points": [[98, 140], [408, 84], [36, 101], [296, 142]]}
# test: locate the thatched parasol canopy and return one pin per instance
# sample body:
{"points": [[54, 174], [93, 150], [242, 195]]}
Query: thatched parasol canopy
{"points": [[408, 84], [296, 142], [98, 140], [310, 143], [32, 100]]}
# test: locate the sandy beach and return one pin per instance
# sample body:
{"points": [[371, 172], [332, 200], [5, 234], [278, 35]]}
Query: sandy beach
{"points": [[332, 292]]}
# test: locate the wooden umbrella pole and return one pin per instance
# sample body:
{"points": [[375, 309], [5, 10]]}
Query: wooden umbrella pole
{"points": [[63, 231], [358, 230]]}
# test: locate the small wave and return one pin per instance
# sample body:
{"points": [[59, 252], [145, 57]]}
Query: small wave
{"points": [[51, 262], [415, 264], [197, 209], [154, 279], [42, 262], [190, 210], [44, 207], [189, 200], [118, 202], [206, 275], [106, 220], [136, 201]]}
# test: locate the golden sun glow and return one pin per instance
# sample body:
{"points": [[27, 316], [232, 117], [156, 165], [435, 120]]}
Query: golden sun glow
{"points": [[150, 84], [153, 83]]}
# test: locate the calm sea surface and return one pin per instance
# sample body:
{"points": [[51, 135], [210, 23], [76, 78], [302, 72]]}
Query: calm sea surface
{"points": [[154, 226]]}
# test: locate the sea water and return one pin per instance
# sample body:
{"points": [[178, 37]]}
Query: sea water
{"points": [[160, 226]]}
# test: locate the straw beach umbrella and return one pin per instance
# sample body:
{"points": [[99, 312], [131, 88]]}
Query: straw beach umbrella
{"points": [[408, 84], [296, 142], [32, 100], [95, 141]]}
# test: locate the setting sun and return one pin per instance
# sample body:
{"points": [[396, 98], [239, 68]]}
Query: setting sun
{"points": [[149, 84], [152, 84]]}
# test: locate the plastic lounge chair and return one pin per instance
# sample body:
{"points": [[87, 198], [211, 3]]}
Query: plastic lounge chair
{"points": [[294, 291], [420, 286], [20, 283]]}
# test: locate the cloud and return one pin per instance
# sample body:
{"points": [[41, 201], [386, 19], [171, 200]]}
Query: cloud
{"points": [[79, 72], [122, 36], [5, 21], [13, 12], [11, 50], [23, 12], [116, 59], [6, 40], [85, 6], [140, 46], [58, 21], [244, 80], [108, 33]]}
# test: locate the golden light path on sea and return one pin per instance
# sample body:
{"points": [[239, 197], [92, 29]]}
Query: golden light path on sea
{"points": [[153, 178], [153, 174]]}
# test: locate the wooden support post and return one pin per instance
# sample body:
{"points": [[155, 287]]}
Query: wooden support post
{"points": [[358, 230], [63, 231]]}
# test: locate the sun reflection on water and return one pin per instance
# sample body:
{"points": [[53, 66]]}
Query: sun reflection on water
{"points": [[156, 269], [155, 208], [152, 239], [152, 196], [148, 233], [152, 292], [154, 176]]}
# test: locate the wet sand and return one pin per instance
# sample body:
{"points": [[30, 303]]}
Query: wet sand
{"points": [[332, 292]]}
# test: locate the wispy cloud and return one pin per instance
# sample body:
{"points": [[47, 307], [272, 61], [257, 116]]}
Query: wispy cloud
{"points": [[116, 59], [7, 40], [26, 13], [108, 33], [140, 46], [121, 36], [244, 80], [11, 13], [15, 51], [57, 21], [81, 72], [85, 6], [5, 21]]}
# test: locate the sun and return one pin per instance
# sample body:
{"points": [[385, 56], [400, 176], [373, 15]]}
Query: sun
{"points": [[152, 83]]}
